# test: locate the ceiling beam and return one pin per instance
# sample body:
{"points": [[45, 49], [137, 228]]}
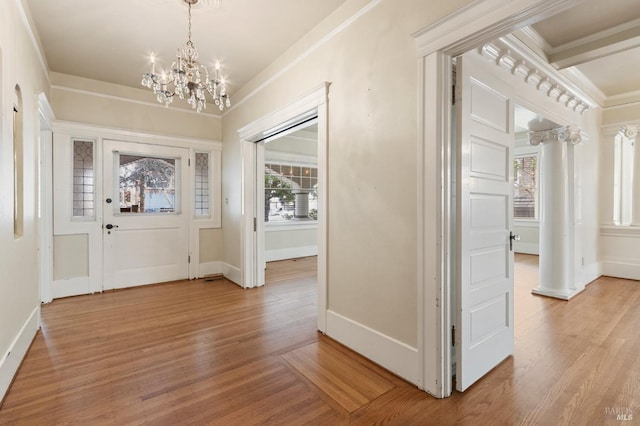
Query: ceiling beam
{"points": [[608, 42]]}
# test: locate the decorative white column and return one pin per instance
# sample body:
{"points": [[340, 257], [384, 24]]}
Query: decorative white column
{"points": [[631, 132], [557, 212]]}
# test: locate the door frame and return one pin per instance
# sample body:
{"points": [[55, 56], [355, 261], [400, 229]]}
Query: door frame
{"points": [[45, 198], [64, 133], [315, 100], [437, 43]]}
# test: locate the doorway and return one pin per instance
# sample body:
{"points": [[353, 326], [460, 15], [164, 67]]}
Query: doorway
{"points": [[489, 115], [304, 109], [288, 184]]}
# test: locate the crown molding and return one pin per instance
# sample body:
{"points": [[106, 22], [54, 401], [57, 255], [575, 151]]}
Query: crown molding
{"points": [[538, 45], [510, 53], [475, 23], [27, 21], [623, 100], [130, 100]]}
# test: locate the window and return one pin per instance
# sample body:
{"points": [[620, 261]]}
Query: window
{"points": [[525, 187], [147, 184], [623, 177], [83, 179], [290, 193], [202, 184]]}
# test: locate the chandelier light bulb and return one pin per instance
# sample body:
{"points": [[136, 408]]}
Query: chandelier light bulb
{"points": [[188, 78]]}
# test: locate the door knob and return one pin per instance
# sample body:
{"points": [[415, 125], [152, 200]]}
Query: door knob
{"points": [[513, 237], [110, 226]]}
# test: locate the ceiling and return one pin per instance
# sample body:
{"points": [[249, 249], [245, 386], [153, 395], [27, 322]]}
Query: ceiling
{"points": [[111, 40], [601, 39]]}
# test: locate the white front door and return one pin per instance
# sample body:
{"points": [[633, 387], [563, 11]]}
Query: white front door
{"points": [[485, 331], [146, 211]]}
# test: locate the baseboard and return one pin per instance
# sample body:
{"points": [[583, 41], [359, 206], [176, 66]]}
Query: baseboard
{"points": [[395, 356], [526, 248], [290, 253], [623, 268], [71, 287], [232, 273], [18, 348], [209, 268]]}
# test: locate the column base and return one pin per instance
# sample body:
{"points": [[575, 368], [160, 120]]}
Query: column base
{"points": [[556, 294]]}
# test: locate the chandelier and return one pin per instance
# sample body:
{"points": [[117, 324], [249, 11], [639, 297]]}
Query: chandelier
{"points": [[187, 78]]}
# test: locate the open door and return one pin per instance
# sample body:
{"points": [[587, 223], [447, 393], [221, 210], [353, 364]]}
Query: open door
{"points": [[485, 331]]}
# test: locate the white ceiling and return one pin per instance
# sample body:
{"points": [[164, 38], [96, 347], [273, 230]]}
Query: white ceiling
{"points": [[111, 40], [601, 39]]}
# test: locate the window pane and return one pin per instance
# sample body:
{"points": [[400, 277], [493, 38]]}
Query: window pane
{"points": [[83, 183], [202, 184], [524, 191], [147, 184], [290, 193]]}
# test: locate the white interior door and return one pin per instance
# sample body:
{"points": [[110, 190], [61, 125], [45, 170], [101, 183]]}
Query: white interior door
{"points": [[146, 211], [485, 331]]}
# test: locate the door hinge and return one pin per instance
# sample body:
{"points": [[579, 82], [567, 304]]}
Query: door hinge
{"points": [[189, 259], [453, 335], [189, 162], [255, 224]]}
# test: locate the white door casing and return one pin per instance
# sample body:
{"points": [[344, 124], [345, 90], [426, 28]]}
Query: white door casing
{"points": [[144, 248], [485, 329]]}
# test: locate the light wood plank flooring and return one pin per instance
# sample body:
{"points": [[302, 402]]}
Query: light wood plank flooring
{"points": [[211, 353]]}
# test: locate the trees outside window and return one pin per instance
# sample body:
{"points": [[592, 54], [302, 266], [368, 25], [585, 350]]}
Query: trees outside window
{"points": [[525, 187]]}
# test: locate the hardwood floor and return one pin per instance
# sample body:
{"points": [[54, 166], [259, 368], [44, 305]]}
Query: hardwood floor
{"points": [[211, 353]]}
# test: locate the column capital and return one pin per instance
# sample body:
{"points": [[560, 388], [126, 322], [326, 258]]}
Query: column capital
{"points": [[629, 131], [560, 134]]}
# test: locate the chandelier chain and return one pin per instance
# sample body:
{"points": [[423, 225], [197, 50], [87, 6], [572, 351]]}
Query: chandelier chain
{"points": [[189, 37]]}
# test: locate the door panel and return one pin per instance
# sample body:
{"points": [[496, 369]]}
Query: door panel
{"points": [[148, 214], [485, 334]]}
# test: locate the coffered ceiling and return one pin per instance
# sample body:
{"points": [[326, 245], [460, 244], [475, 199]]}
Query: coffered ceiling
{"points": [[601, 39]]}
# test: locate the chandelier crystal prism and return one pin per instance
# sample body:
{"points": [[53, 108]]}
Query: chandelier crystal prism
{"points": [[187, 78]]}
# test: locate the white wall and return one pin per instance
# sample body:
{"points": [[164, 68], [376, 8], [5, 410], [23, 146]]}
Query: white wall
{"points": [[290, 241], [619, 245], [19, 296]]}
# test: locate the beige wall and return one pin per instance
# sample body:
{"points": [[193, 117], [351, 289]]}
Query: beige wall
{"points": [[70, 256], [372, 67], [110, 105], [19, 295], [210, 245]]}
